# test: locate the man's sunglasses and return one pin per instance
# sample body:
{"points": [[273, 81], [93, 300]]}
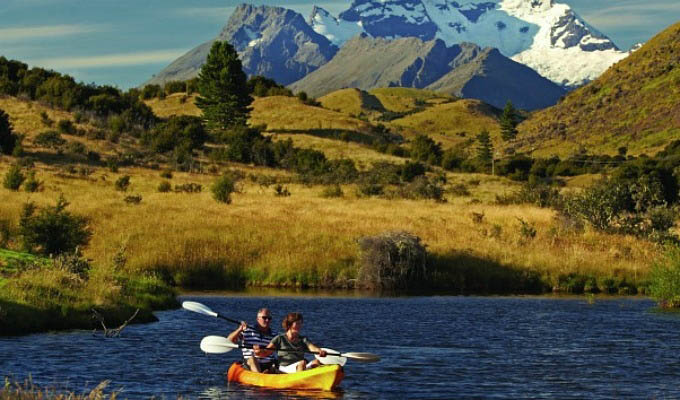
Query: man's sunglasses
{"points": [[266, 317]]}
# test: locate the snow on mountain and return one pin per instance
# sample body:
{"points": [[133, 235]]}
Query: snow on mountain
{"points": [[546, 36], [336, 30]]}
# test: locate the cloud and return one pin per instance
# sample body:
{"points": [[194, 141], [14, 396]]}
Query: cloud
{"points": [[629, 14], [212, 13], [32, 32], [111, 60]]}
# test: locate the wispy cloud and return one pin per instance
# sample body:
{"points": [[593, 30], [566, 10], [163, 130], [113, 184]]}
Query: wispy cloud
{"points": [[33, 32], [632, 14], [212, 13], [111, 60]]}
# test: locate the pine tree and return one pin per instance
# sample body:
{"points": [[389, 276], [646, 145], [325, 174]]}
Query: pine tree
{"points": [[224, 97], [509, 122], [7, 139], [484, 146]]}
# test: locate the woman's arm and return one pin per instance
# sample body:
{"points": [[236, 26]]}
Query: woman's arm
{"points": [[312, 347]]}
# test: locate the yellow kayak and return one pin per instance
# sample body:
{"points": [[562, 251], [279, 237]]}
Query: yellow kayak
{"points": [[325, 377]]}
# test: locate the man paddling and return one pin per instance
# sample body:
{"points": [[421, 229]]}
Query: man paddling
{"points": [[258, 336]]}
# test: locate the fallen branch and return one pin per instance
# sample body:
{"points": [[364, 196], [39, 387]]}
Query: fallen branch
{"points": [[112, 332]]}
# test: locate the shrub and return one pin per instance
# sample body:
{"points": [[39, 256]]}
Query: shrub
{"points": [[424, 149], [393, 260], [537, 194], [223, 188], [49, 139], [133, 199], [123, 183], [423, 188], [664, 279], [13, 178], [76, 148], [164, 187], [332, 191], [73, 262], [167, 174], [32, 184], [93, 156], [370, 189], [65, 126], [45, 119], [8, 140], [281, 191], [53, 230], [189, 188], [527, 231]]}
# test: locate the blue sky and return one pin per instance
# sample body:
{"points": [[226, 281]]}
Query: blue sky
{"points": [[124, 42]]}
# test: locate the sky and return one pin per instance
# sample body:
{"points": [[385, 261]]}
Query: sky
{"points": [[124, 42]]}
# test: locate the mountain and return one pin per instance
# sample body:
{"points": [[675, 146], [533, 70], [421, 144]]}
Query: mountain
{"points": [[271, 41], [635, 103], [546, 36], [462, 70]]}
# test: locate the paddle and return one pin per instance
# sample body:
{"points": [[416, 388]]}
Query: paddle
{"points": [[219, 345], [205, 310]]}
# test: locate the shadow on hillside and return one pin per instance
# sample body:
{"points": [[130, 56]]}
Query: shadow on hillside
{"points": [[465, 273], [56, 159]]}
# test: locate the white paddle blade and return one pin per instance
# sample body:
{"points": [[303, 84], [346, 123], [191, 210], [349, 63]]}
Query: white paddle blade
{"points": [[199, 308], [331, 358], [217, 345], [362, 357]]}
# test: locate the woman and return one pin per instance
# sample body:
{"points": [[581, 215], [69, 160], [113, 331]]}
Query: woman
{"points": [[291, 346]]}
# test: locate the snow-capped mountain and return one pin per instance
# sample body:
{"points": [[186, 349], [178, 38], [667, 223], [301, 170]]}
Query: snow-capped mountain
{"points": [[546, 36]]}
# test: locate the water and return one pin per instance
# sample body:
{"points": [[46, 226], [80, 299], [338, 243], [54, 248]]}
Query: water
{"points": [[431, 348]]}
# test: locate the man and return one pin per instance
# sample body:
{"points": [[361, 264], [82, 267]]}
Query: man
{"points": [[258, 336]]}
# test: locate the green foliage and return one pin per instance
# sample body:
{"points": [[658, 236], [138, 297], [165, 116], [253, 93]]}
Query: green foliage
{"points": [[178, 131], [423, 188], [123, 183], [53, 230], [223, 91], [151, 91], [32, 184], [175, 87], [13, 178], [424, 149], [664, 279], [8, 140], [412, 170], [261, 86], [508, 122], [49, 139], [540, 195], [484, 147], [65, 126], [223, 187]]}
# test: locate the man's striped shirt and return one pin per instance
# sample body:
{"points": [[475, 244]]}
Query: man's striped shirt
{"points": [[252, 336]]}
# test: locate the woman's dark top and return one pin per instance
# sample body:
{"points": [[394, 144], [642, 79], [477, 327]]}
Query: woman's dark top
{"points": [[290, 352]]}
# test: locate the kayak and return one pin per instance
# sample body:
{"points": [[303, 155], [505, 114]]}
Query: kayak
{"points": [[325, 377]]}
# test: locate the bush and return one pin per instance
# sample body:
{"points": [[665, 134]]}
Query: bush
{"points": [[65, 126], [53, 230], [76, 148], [123, 183], [423, 188], [49, 139], [188, 188], [164, 187], [8, 140], [332, 191], [32, 184], [664, 279], [223, 188], [393, 260], [13, 178]]}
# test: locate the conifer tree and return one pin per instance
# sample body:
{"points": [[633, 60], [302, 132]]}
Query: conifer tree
{"points": [[224, 97], [509, 122], [7, 139], [484, 146]]}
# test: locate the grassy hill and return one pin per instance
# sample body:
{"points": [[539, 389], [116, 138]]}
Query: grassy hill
{"points": [[635, 103]]}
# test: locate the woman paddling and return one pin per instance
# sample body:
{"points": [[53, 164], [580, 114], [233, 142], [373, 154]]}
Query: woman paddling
{"points": [[291, 346]]}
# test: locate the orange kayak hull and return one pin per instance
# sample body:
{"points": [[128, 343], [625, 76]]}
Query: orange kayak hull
{"points": [[325, 377]]}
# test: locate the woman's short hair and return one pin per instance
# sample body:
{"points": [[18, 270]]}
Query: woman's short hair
{"points": [[290, 319]]}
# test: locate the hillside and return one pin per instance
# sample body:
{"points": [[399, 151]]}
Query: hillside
{"points": [[635, 103], [461, 70]]}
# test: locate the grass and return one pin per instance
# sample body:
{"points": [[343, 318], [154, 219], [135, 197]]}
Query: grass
{"points": [[303, 240], [30, 391]]}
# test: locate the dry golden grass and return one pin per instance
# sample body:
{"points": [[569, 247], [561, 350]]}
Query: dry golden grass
{"points": [[347, 101], [281, 113], [407, 99], [174, 104], [305, 237]]}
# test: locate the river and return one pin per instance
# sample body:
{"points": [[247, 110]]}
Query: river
{"points": [[443, 347]]}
